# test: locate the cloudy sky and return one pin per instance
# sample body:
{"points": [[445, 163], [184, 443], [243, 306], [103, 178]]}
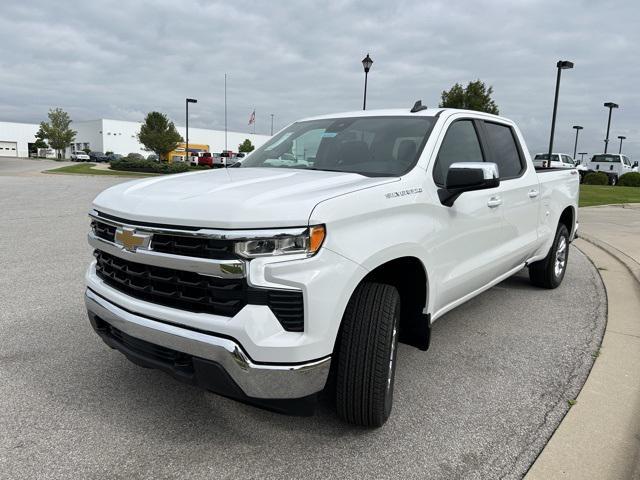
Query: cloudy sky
{"points": [[122, 59]]}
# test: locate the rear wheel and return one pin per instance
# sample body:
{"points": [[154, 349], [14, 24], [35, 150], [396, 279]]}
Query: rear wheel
{"points": [[549, 272], [613, 180], [367, 355]]}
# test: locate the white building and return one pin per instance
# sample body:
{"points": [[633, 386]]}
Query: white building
{"points": [[115, 136]]}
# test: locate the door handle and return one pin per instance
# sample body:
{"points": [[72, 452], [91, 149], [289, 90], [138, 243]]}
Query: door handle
{"points": [[494, 202], [574, 172], [533, 193]]}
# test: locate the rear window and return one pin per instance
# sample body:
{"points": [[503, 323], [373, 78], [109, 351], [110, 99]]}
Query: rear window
{"points": [[545, 156], [504, 150], [606, 158]]}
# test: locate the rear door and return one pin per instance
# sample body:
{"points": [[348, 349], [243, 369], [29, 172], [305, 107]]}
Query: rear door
{"points": [[519, 191]]}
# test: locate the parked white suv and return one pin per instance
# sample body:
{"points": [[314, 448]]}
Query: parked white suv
{"points": [[613, 164], [261, 280]]}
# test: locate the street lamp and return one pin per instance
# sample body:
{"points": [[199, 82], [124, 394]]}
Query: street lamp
{"points": [[562, 65], [621, 137], [575, 145], [366, 63], [272, 124], [610, 106], [186, 103]]}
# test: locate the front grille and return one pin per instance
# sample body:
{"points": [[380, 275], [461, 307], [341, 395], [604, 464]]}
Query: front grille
{"points": [[193, 246], [103, 230], [197, 293]]}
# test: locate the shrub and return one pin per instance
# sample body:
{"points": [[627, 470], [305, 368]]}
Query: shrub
{"points": [[631, 179], [135, 156], [147, 166], [596, 178]]}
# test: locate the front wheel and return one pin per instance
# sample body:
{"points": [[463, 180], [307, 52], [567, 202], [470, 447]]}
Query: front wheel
{"points": [[549, 272], [613, 180], [367, 355]]}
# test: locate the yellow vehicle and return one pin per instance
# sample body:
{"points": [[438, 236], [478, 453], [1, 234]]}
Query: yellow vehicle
{"points": [[178, 155]]}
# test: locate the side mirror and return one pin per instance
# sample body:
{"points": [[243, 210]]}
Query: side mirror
{"points": [[467, 177], [635, 164]]}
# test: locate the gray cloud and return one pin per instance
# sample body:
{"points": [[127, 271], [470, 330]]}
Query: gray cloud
{"points": [[293, 59]]}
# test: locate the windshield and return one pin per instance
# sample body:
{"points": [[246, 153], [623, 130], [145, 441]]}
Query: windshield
{"points": [[545, 156], [371, 146], [606, 158]]}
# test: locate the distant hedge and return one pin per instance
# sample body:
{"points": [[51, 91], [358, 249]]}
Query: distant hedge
{"points": [[148, 166], [631, 179], [596, 178]]}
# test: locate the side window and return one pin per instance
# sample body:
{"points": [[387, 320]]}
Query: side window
{"points": [[460, 144], [626, 160], [504, 149]]}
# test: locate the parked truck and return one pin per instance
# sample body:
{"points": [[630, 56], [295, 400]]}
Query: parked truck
{"points": [[270, 281], [614, 165]]}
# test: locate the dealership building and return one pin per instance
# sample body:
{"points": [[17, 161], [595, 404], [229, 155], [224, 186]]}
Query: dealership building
{"points": [[115, 136]]}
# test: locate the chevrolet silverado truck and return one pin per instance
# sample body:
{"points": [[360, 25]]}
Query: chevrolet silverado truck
{"points": [[271, 281]]}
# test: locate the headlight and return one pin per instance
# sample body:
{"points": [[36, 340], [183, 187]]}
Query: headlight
{"points": [[307, 243]]}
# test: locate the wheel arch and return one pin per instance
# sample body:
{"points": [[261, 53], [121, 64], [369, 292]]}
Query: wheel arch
{"points": [[409, 276]]}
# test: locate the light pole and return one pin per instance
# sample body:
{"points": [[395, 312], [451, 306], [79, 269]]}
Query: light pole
{"points": [[186, 104], [575, 145], [272, 124], [582, 154], [562, 65], [610, 106], [621, 137], [366, 63]]}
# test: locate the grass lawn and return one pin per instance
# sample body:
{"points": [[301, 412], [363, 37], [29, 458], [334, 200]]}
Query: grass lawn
{"points": [[87, 169], [603, 195]]}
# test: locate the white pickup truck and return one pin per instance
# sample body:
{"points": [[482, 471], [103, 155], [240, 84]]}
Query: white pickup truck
{"points": [[269, 281], [613, 164]]}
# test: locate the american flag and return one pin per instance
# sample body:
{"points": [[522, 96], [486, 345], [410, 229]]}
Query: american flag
{"points": [[252, 117]]}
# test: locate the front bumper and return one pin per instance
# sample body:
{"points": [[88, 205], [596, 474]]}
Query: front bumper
{"points": [[216, 363]]}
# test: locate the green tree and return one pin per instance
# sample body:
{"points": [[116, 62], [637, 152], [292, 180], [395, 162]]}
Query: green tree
{"points": [[158, 134], [57, 131], [246, 146], [476, 96]]}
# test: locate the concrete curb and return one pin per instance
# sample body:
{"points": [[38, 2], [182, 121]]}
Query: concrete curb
{"points": [[626, 260], [599, 438]]}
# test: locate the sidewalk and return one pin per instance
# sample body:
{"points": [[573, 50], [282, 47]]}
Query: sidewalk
{"points": [[600, 436]]}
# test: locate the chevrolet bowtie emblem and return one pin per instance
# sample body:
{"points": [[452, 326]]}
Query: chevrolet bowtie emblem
{"points": [[130, 240]]}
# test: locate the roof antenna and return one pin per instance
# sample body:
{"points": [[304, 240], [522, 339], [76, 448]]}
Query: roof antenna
{"points": [[418, 106]]}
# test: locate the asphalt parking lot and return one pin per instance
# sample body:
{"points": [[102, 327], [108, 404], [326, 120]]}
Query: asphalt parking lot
{"points": [[481, 403]]}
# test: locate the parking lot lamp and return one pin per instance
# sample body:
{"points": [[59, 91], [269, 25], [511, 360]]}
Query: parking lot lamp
{"points": [[366, 63], [610, 106], [582, 154], [561, 65], [575, 145], [186, 150], [621, 137]]}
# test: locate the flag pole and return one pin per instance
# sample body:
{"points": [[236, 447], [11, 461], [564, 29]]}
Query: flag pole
{"points": [[225, 111]]}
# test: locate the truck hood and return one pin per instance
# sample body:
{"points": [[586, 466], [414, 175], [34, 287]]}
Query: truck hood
{"points": [[230, 198]]}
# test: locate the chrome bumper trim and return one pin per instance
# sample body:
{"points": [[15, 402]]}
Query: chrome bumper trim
{"points": [[256, 380], [204, 266]]}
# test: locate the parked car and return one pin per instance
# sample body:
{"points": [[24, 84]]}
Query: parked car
{"points": [[113, 156], [79, 156], [257, 281], [153, 157], [97, 157], [135, 156], [613, 164], [205, 159], [558, 160]]}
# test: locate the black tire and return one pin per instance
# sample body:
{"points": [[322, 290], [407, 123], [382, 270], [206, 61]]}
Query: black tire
{"points": [[613, 180], [367, 355], [549, 272]]}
